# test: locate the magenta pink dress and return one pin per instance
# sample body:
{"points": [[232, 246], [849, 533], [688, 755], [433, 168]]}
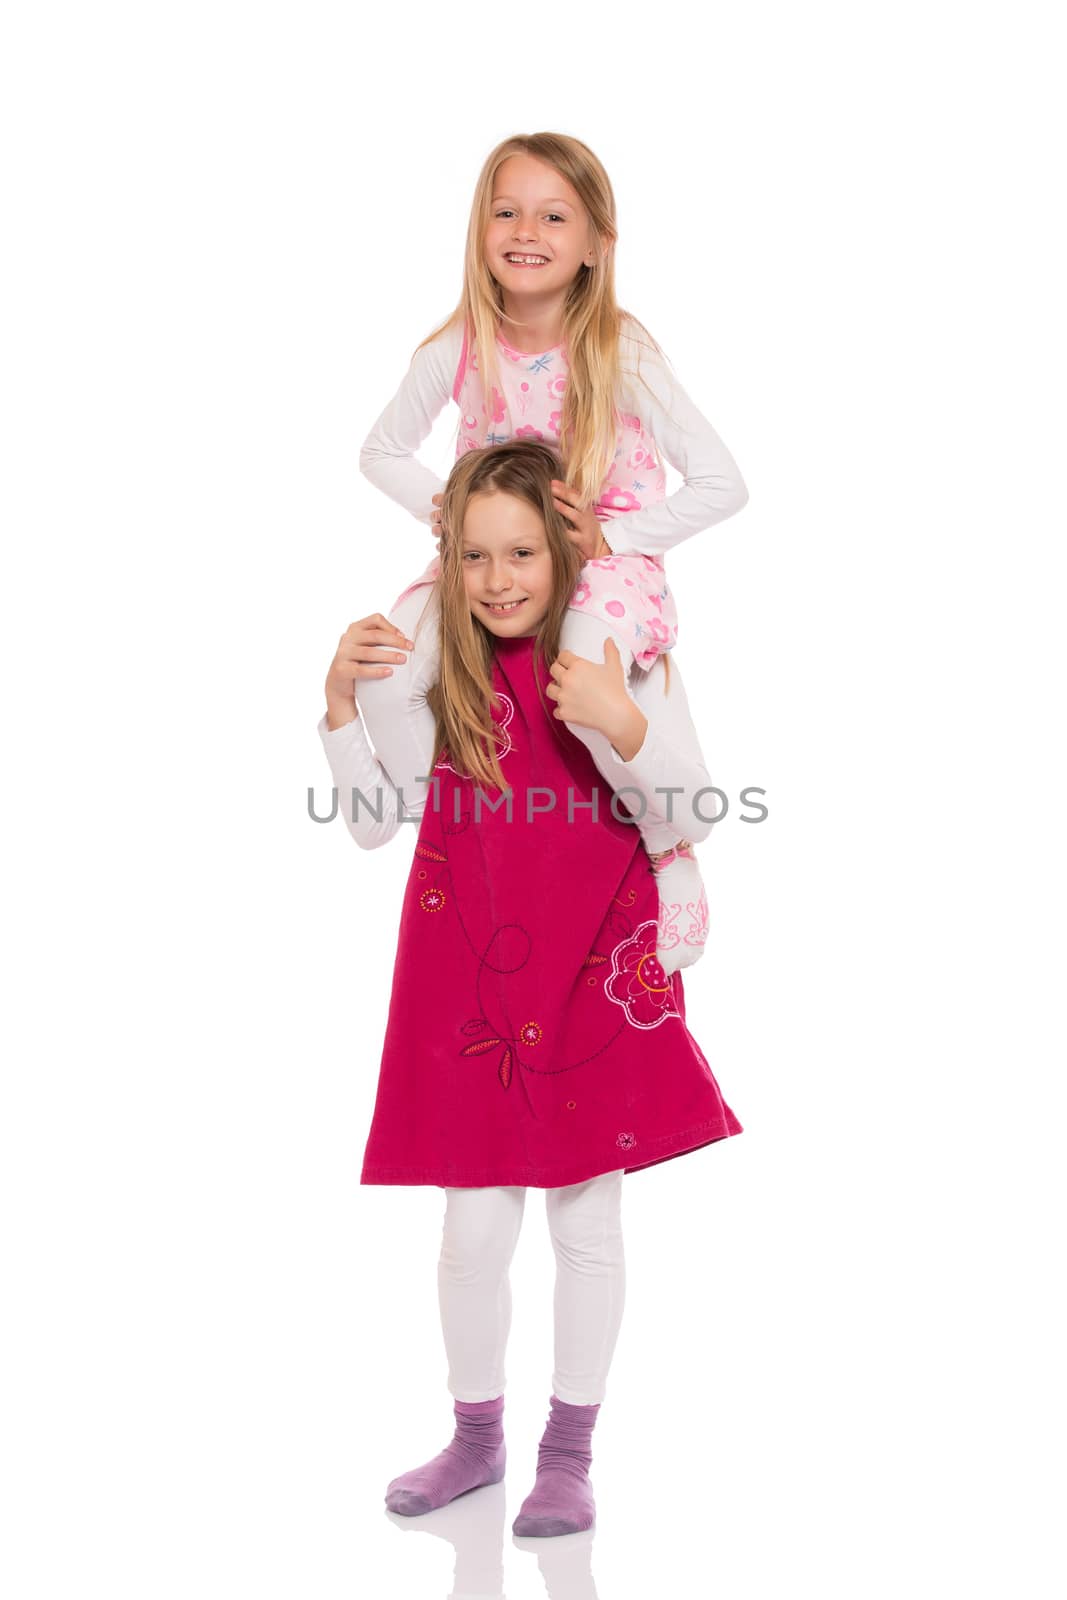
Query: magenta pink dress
{"points": [[533, 1037]]}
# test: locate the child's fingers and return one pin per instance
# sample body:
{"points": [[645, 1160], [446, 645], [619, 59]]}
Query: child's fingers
{"points": [[377, 624]]}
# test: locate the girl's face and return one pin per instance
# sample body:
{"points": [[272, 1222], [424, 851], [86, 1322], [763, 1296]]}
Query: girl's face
{"points": [[539, 233], [507, 566]]}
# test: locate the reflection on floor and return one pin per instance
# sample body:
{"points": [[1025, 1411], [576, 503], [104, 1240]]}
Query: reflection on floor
{"points": [[474, 1526]]}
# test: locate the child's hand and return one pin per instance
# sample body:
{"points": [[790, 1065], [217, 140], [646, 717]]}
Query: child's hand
{"points": [[594, 696], [358, 656], [584, 530]]}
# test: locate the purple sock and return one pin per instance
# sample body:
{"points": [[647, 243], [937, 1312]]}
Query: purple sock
{"points": [[561, 1500], [475, 1457]]}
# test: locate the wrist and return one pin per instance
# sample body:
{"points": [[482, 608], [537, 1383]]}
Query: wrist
{"points": [[339, 713], [628, 736]]}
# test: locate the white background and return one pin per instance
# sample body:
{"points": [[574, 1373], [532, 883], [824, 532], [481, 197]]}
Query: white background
{"points": [[227, 228]]}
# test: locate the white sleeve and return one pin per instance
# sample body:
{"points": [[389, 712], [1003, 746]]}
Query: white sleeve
{"points": [[367, 798], [387, 457], [670, 758], [713, 489]]}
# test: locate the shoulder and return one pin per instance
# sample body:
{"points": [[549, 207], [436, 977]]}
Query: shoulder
{"points": [[439, 357]]}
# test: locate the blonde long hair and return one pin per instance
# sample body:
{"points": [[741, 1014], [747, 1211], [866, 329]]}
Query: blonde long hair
{"points": [[461, 697], [592, 318]]}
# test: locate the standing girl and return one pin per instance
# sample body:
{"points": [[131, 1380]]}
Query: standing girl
{"points": [[533, 1037], [537, 348]]}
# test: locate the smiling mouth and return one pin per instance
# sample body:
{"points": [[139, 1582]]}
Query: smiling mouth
{"points": [[506, 609], [514, 259]]}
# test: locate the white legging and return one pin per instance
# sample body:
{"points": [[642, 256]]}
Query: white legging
{"points": [[481, 1230]]}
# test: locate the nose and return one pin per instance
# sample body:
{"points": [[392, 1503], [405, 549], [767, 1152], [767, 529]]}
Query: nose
{"points": [[523, 230], [499, 581]]}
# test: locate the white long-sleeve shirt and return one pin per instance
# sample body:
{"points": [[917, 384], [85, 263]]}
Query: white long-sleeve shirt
{"points": [[713, 488], [669, 757]]}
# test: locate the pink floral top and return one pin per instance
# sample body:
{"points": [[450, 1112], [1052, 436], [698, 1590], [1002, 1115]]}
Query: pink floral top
{"points": [[629, 592]]}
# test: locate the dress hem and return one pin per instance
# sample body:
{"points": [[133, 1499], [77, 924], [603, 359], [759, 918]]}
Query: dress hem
{"points": [[678, 1144]]}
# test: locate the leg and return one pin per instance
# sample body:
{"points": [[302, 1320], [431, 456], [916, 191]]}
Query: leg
{"points": [[481, 1230], [383, 702], [585, 1224], [683, 906]]}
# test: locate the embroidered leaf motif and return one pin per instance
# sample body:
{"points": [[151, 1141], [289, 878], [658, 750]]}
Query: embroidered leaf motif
{"points": [[475, 1025], [477, 1049], [594, 960], [505, 1067], [428, 851]]}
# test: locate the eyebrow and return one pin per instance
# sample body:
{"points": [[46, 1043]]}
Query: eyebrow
{"points": [[516, 544], [551, 201]]}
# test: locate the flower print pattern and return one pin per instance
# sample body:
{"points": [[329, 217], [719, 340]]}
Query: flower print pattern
{"points": [[615, 498], [637, 981], [530, 392]]}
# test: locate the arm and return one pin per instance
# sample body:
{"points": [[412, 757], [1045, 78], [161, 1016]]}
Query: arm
{"points": [[373, 819], [669, 755], [713, 489], [645, 737], [387, 457], [356, 768]]}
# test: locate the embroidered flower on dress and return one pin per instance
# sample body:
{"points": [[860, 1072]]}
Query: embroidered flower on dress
{"points": [[530, 1032], [637, 981], [626, 1141], [506, 713], [432, 899]]}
